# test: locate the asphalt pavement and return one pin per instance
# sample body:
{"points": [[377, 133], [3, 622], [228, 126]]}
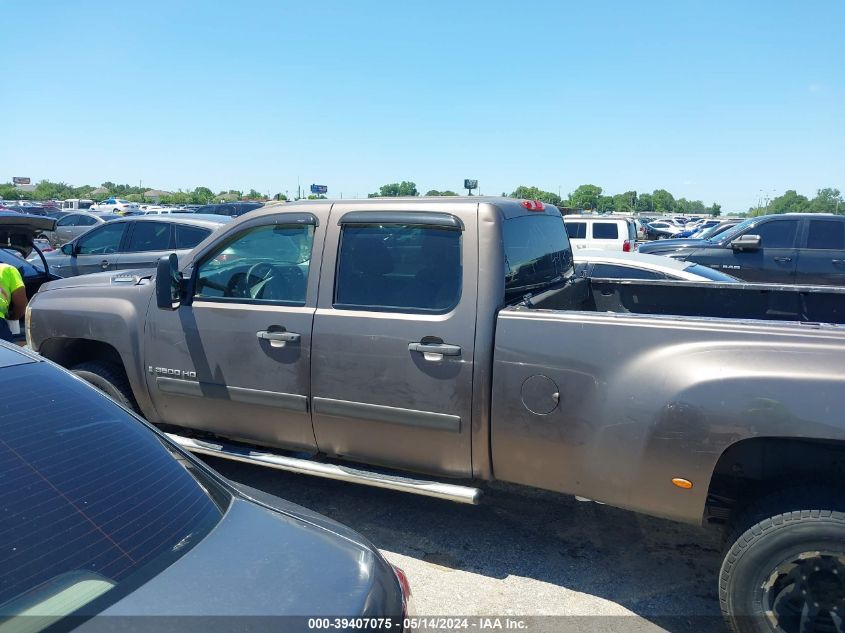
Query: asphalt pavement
{"points": [[525, 553]]}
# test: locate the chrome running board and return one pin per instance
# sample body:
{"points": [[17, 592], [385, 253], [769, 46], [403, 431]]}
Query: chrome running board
{"points": [[450, 492]]}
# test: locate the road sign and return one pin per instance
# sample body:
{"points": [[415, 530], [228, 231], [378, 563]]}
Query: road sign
{"points": [[470, 184], [319, 188], [21, 180]]}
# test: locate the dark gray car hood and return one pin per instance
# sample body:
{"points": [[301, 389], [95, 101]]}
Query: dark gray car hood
{"points": [[660, 247], [259, 562]]}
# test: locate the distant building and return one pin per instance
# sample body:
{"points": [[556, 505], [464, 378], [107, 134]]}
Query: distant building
{"points": [[228, 197], [155, 195], [99, 191]]}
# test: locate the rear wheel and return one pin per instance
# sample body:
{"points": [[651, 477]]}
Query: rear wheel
{"points": [[785, 569], [108, 378]]}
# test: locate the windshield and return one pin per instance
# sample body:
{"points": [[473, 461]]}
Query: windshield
{"points": [[94, 503], [736, 230], [537, 254]]}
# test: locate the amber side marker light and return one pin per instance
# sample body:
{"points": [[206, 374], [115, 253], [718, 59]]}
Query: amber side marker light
{"points": [[686, 484]]}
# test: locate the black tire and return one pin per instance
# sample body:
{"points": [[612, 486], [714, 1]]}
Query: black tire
{"points": [[108, 378], [785, 566]]}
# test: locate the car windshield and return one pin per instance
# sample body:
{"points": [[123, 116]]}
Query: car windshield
{"points": [[27, 269], [94, 502], [537, 254], [736, 230]]}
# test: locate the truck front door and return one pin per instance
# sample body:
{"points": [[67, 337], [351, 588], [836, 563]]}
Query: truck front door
{"points": [[394, 340], [776, 259], [234, 359]]}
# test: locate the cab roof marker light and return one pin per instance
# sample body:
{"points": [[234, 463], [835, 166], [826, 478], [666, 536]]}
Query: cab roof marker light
{"points": [[533, 205]]}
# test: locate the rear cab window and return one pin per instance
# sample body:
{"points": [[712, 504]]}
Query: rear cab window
{"points": [[538, 255], [95, 504]]}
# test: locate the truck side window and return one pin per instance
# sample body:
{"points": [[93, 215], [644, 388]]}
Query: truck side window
{"points": [[576, 230], [262, 264], [776, 234], [605, 231], [826, 235], [398, 268]]}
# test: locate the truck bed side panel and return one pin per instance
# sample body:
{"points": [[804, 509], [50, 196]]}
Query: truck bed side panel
{"points": [[644, 399]]}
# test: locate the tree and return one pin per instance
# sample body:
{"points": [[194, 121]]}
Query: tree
{"points": [[135, 197], [827, 200], [434, 192], [715, 210], [254, 195], [280, 196], [313, 196], [534, 193], [202, 195], [664, 202], [604, 204], [645, 203], [396, 189], [790, 202], [625, 202], [585, 197]]}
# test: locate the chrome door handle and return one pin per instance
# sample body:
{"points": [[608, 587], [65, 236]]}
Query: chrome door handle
{"points": [[783, 260], [278, 339], [104, 264], [837, 262], [435, 348]]}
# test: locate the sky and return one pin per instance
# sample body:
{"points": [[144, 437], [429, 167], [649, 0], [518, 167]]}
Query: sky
{"points": [[719, 101]]}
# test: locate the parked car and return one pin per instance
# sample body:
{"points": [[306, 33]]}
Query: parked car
{"points": [[132, 242], [608, 233], [691, 229], [449, 339], [118, 206], [105, 516], [72, 225], [232, 209], [615, 265], [789, 248], [18, 238], [76, 204], [716, 230], [661, 229]]}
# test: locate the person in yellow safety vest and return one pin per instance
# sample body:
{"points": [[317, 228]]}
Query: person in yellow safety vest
{"points": [[13, 299]]}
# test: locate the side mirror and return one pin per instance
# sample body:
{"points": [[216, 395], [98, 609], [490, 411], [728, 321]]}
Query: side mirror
{"points": [[746, 243], [68, 249], [168, 283]]}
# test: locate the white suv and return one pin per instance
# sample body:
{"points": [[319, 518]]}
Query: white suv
{"points": [[115, 205], [607, 233]]}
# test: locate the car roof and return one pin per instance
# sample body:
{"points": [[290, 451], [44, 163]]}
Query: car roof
{"points": [[642, 260], [191, 219], [597, 218], [11, 355]]}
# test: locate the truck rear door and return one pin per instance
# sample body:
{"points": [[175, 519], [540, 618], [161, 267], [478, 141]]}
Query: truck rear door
{"points": [[821, 261], [394, 338], [234, 358]]}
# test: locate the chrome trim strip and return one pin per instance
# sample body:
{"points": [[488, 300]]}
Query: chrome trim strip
{"points": [[390, 415], [450, 492], [196, 389]]}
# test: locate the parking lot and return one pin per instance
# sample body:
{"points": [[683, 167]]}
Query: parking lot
{"points": [[539, 554]]}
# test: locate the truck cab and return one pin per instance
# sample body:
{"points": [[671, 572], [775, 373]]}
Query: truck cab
{"points": [[789, 248]]}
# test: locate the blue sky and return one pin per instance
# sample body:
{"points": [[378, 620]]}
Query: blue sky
{"points": [[710, 100]]}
